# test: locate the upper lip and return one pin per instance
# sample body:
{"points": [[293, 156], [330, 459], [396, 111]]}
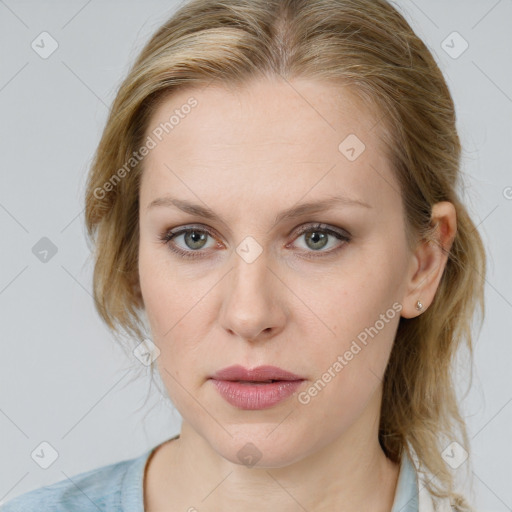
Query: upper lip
{"points": [[260, 373]]}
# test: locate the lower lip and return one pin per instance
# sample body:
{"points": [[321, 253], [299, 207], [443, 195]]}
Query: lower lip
{"points": [[256, 396]]}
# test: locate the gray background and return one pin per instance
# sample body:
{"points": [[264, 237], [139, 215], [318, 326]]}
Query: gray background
{"points": [[63, 378]]}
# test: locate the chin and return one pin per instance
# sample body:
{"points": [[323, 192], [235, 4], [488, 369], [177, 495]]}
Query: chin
{"points": [[254, 447]]}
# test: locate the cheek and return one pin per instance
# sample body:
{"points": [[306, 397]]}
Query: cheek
{"points": [[173, 306], [354, 297], [350, 369], [165, 297], [360, 314]]}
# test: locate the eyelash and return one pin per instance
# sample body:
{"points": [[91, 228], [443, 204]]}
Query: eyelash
{"points": [[167, 236]]}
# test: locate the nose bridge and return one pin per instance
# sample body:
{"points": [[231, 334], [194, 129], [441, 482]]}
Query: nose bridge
{"points": [[251, 278], [251, 300]]}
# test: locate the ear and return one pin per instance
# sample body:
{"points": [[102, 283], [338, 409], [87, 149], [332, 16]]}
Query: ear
{"points": [[429, 260]]}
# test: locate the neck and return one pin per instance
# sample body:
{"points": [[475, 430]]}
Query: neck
{"points": [[350, 473]]}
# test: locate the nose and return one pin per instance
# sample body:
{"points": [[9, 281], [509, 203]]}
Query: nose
{"points": [[253, 297]]}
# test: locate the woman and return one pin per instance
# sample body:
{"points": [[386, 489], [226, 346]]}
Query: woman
{"points": [[275, 198]]}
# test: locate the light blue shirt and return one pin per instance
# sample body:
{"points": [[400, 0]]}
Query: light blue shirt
{"points": [[118, 488]]}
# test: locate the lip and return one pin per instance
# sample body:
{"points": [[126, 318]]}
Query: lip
{"points": [[258, 374], [248, 389]]}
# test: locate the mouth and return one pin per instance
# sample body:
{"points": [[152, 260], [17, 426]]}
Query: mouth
{"points": [[261, 374], [255, 381], [260, 388]]}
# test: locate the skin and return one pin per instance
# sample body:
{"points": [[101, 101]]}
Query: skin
{"points": [[248, 154]]}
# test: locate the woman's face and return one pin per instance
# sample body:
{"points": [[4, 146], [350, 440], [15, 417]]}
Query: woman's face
{"points": [[253, 286]]}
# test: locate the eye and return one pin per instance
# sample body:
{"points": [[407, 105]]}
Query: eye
{"points": [[316, 237], [195, 240]]}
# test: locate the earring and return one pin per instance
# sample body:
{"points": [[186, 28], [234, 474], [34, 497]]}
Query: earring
{"points": [[419, 306]]}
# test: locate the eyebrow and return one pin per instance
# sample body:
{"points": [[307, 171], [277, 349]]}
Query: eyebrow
{"points": [[291, 213]]}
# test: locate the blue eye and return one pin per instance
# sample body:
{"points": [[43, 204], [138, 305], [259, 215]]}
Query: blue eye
{"points": [[195, 240]]}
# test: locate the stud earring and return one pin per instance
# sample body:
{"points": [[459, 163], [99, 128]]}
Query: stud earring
{"points": [[419, 306]]}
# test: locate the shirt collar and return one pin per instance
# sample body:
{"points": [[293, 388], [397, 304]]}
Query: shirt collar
{"points": [[406, 494]]}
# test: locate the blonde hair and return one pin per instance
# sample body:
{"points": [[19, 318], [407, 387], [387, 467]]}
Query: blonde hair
{"points": [[368, 46]]}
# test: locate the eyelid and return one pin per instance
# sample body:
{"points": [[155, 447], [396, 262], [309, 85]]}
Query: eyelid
{"points": [[320, 226]]}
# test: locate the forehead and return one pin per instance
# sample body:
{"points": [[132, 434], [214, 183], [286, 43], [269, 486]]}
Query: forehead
{"points": [[293, 137]]}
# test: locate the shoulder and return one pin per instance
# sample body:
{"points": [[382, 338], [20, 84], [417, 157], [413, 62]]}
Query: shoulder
{"points": [[103, 488]]}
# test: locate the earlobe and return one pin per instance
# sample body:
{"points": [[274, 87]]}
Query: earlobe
{"points": [[431, 257]]}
